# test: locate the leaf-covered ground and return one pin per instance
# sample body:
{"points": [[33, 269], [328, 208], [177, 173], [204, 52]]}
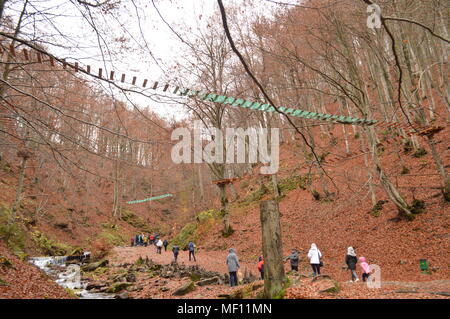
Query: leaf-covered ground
{"points": [[21, 280]]}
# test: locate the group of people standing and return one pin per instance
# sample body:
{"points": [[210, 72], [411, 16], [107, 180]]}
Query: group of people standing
{"points": [[315, 260], [143, 240]]}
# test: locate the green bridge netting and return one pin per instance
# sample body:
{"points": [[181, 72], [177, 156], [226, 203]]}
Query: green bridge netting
{"points": [[226, 100], [149, 199]]}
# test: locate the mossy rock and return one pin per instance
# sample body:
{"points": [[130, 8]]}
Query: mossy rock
{"points": [[95, 266], [77, 251], [194, 276], [245, 291], [186, 288], [117, 287], [326, 284]]}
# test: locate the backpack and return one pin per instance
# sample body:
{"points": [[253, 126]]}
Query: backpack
{"points": [[191, 246]]}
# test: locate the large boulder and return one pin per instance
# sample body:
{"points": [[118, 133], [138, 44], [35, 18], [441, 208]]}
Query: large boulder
{"points": [[95, 285], [123, 295], [325, 284], [186, 288], [209, 281], [117, 287], [93, 266]]}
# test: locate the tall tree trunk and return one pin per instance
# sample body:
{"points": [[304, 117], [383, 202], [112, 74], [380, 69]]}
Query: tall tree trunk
{"points": [[227, 230], [274, 277], [387, 185]]}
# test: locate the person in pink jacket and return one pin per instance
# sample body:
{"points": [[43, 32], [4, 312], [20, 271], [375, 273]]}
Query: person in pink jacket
{"points": [[365, 268]]}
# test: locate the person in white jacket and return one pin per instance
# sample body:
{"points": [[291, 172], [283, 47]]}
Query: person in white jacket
{"points": [[314, 256], [159, 245]]}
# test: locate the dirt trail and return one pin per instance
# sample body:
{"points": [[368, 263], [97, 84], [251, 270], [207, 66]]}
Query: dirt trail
{"points": [[215, 261], [211, 260]]}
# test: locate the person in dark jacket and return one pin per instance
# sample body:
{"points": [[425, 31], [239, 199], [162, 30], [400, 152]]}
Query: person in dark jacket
{"points": [[261, 267], [136, 241], [191, 248], [293, 257], [233, 266], [175, 250], [165, 244], [351, 260]]}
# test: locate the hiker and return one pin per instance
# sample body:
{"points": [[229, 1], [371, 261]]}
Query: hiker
{"points": [[175, 250], [351, 260], [314, 256], [365, 267], [159, 245], [233, 266], [136, 240], [191, 248], [145, 240], [294, 259], [132, 241], [165, 244], [261, 267], [152, 239]]}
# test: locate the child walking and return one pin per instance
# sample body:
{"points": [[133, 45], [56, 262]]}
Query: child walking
{"points": [[365, 268]]}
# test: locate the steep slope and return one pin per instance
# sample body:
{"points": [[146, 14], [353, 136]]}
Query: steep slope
{"points": [[347, 218]]}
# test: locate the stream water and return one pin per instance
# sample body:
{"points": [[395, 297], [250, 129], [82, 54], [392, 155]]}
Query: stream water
{"points": [[67, 276]]}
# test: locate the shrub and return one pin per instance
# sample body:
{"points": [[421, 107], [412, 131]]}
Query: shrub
{"points": [[291, 183], [48, 246], [418, 206], [377, 208], [208, 214], [407, 146], [12, 233], [135, 221], [420, 152]]}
